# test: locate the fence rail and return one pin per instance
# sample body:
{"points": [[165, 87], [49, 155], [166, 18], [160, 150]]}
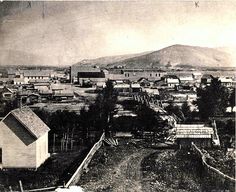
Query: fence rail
{"points": [[213, 170], [76, 176]]}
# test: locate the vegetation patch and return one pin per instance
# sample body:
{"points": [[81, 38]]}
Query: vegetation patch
{"points": [[55, 171], [177, 171]]}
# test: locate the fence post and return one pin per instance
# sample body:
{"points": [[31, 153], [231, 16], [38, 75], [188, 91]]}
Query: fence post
{"points": [[10, 188], [21, 186]]}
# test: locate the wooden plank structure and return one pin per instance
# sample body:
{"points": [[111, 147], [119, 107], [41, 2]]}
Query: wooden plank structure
{"points": [[197, 133]]}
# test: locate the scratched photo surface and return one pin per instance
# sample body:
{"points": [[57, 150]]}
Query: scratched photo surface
{"points": [[63, 33], [117, 95]]}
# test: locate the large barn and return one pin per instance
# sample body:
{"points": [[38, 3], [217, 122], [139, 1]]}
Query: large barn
{"points": [[23, 140]]}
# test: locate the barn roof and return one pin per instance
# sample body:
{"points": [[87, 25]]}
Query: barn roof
{"points": [[169, 80], [30, 121], [85, 69], [37, 73], [193, 131]]}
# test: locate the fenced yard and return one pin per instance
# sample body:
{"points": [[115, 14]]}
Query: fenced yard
{"points": [[56, 171]]}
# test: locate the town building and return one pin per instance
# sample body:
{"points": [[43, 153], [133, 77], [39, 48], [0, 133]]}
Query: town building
{"points": [[136, 74], [200, 134], [186, 79], [206, 80], [36, 74], [226, 81], [144, 82], [6, 93], [23, 140], [90, 75]]}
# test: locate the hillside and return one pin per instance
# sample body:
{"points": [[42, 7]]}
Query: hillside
{"points": [[176, 55], [104, 61]]}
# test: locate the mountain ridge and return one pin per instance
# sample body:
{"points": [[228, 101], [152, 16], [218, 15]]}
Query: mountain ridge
{"points": [[174, 55]]}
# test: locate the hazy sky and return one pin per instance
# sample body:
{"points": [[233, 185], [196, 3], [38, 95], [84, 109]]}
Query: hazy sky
{"points": [[62, 33]]}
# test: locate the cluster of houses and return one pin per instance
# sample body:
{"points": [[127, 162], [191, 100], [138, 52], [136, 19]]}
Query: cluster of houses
{"points": [[180, 86], [33, 86], [29, 135], [154, 78]]}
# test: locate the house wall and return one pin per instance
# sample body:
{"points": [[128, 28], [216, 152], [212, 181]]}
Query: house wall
{"points": [[26, 78], [136, 75], [15, 153], [42, 149], [200, 142], [95, 80]]}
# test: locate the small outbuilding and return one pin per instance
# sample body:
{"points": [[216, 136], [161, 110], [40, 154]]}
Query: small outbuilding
{"points": [[23, 140], [199, 134]]}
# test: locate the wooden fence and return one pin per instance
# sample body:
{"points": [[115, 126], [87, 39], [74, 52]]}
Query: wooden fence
{"points": [[76, 176], [213, 171]]}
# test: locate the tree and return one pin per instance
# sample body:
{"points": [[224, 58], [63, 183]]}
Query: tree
{"points": [[232, 99], [108, 102], [212, 100], [186, 110], [149, 120], [99, 114], [168, 65], [174, 109], [164, 95], [7, 105]]}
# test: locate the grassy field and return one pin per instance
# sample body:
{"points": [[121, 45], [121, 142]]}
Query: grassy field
{"points": [[178, 171]]}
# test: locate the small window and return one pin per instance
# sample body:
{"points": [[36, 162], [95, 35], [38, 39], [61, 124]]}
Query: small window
{"points": [[150, 74]]}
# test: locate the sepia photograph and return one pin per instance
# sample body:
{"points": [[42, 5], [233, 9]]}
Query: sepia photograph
{"points": [[117, 96]]}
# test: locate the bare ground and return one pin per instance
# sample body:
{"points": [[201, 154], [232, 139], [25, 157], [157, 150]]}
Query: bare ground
{"points": [[121, 174], [130, 167]]}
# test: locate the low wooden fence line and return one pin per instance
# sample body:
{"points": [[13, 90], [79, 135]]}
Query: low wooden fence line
{"points": [[76, 176], [212, 169], [43, 189]]}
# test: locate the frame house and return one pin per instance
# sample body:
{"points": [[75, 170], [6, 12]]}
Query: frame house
{"points": [[23, 140]]}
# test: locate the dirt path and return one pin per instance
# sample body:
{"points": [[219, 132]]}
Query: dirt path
{"points": [[126, 176], [128, 173]]}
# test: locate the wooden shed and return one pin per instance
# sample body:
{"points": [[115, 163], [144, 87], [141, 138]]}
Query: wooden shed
{"points": [[23, 140], [200, 134]]}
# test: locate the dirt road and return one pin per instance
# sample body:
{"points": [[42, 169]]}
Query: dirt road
{"points": [[124, 176]]}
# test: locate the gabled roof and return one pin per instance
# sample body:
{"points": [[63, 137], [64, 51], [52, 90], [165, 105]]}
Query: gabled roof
{"points": [[169, 80], [84, 69], [26, 117], [225, 80], [36, 73], [193, 131], [135, 85]]}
